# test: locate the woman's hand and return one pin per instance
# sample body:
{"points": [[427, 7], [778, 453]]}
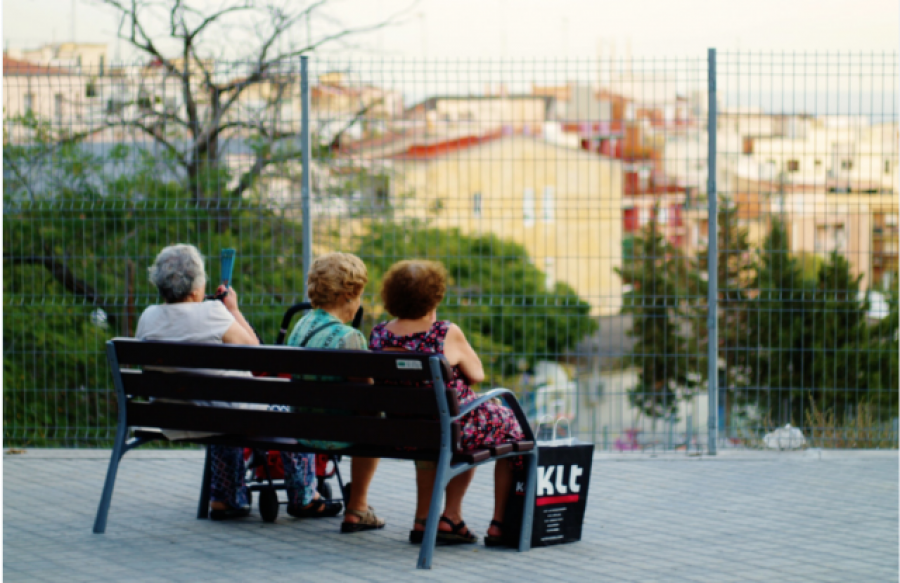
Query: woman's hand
{"points": [[229, 297], [240, 332]]}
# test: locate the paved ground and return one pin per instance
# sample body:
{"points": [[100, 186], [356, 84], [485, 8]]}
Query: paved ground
{"points": [[750, 517]]}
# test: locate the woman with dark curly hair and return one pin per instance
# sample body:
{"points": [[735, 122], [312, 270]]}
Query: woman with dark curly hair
{"points": [[411, 292]]}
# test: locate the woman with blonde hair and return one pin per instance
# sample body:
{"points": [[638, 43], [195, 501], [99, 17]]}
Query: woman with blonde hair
{"points": [[411, 292], [335, 284]]}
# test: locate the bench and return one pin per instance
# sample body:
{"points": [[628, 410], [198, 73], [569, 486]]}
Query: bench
{"points": [[399, 421]]}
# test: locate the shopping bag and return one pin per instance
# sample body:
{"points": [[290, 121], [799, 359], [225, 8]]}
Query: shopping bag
{"points": [[563, 478]]}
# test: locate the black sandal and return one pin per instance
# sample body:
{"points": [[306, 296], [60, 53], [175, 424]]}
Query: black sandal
{"points": [[318, 508], [453, 537], [495, 541], [457, 534]]}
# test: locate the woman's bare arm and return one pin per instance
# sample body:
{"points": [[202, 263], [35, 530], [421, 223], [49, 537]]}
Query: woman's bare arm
{"points": [[460, 353]]}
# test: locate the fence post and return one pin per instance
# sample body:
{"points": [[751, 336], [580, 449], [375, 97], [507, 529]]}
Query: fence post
{"points": [[306, 145], [713, 262]]}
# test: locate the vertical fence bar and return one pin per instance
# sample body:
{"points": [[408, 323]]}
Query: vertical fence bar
{"points": [[305, 144], [713, 292]]}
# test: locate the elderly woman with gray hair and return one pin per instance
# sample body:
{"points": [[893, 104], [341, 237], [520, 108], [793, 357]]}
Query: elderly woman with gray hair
{"points": [[180, 277]]}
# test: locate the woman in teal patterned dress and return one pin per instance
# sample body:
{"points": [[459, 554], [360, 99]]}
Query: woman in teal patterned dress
{"points": [[335, 285]]}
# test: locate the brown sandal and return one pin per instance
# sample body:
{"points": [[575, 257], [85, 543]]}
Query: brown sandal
{"points": [[367, 521]]}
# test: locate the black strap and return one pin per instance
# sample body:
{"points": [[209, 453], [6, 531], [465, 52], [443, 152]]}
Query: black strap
{"points": [[310, 335]]}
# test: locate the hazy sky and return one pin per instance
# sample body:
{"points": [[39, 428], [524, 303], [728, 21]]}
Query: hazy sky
{"points": [[540, 28]]}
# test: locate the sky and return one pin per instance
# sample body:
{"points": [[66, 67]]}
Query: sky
{"points": [[573, 29]]}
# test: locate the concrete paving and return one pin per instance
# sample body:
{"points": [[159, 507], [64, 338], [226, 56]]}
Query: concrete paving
{"points": [[756, 516]]}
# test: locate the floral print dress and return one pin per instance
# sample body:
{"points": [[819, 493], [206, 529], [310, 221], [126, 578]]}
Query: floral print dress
{"points": [[489, 424]]}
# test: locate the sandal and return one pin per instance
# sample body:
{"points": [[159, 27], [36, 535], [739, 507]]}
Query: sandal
{"points": [[451, 537], [367, 521], [318, 508], [494, 541], [459, 534]]}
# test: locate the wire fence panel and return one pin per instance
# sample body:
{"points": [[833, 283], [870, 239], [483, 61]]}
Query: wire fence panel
{"points": [[808, 236], [566, 198]]}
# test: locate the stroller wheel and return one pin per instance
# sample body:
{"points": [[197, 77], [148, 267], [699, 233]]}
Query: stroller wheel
{"points": [[324, 489], [268, 505]]}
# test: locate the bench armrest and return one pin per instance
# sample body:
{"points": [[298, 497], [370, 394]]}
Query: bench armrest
{"points": [[511, 401]]}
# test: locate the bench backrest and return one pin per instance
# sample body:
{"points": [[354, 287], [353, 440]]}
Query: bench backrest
{"points": [[384, 414]]}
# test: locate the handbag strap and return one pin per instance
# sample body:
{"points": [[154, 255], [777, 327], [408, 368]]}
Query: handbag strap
{"points": [[314, 331]]}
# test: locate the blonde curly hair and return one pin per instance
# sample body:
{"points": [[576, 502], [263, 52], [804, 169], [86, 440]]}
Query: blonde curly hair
{"points": [[333, 275]]}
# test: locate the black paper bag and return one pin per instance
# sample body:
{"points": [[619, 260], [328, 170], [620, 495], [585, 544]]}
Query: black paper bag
{"points": [[563, 477]]}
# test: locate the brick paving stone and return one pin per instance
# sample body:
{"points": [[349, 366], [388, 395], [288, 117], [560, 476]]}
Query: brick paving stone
{"points": [[754, 517]]}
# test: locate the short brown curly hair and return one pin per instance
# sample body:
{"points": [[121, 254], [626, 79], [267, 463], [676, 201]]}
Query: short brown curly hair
{"points": [[333, 275], [413, 288]]}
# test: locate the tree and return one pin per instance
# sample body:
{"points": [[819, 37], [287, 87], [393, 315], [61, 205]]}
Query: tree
{"points": [[835, 328], [209, 95], [735, 270], [498, 298], [777, 321], [663, 348]]}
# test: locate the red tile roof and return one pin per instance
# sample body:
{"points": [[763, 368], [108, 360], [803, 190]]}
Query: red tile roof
{"points": [[17, 67]]}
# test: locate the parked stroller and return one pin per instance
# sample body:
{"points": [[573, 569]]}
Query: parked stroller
{"points": [[265, 471]]}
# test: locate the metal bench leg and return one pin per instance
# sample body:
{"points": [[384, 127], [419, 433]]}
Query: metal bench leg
{"points": [[528, 509], [203, 505], [106, 498], [434, 514]]}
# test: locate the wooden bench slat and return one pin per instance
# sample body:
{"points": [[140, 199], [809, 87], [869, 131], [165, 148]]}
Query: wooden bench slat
{"points": [[472, 456], [501, 449], [364, 429], [404, 400], [407, 366], [523, 445]]}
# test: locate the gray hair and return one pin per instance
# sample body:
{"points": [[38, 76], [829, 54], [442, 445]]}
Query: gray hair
{"points": [[178, 271]]}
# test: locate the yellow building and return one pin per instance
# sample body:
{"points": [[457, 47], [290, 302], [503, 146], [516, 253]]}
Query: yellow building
{"points": [[564, 206]]}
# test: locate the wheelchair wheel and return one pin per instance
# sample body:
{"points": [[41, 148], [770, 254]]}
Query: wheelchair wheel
{"points": [[268, 505], [324, 489]]}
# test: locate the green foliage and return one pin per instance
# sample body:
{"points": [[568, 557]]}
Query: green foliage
{"points": [[662, 345], [89, 247], [498, 298]]}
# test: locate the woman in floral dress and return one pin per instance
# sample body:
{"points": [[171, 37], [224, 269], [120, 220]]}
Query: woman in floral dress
{"points": [[411, 292]]}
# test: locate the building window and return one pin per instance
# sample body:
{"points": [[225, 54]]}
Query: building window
{"points": [[643, 216], [528, 207], [58, 107], [793, 165], [549, 206], [887, 166], [476, 204], [846, 164], [830, 238], [818, 163], [663, 216], [550, 273], [29, 103]]}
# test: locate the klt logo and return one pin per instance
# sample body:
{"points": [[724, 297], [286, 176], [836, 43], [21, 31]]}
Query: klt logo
{"points": [[552, 485]]}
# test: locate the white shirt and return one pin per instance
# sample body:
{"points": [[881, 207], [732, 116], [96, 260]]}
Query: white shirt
{"points": [[201, 322]]}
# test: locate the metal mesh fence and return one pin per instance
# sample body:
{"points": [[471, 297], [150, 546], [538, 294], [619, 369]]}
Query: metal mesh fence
{"points": [[567, 199]]}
